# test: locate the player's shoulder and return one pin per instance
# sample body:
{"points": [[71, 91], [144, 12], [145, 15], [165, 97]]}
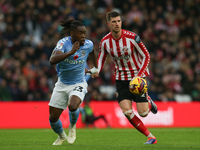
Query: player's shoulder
{"points": [[65, 40], [128, 33], [132, 35], [88, 45], [88, 42], [106, 37], [62, 42]]}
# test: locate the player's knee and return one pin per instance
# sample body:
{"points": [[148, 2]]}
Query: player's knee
{"points": [[129, 114], [53, 119], [143, 114], [72, 107]]}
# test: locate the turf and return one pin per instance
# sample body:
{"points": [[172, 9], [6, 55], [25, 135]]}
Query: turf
{"points": [[101, 139]]}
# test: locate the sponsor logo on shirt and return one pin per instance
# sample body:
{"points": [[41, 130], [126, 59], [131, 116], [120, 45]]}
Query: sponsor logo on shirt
{"points": [[124, 55], [74, 61]]}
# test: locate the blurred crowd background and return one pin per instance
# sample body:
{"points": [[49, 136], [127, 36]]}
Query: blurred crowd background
{"points": [[29, 31]]}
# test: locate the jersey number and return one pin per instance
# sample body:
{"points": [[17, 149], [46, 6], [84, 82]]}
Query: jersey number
{"points": [[78, 88]]}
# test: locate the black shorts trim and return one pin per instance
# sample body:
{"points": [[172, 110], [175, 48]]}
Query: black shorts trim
{"points": [[123, 92]]}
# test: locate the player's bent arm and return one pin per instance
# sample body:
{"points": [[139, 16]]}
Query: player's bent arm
{"points": [[144, 53], [94, 71], [58, 56]]}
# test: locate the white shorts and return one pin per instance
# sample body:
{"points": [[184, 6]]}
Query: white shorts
{"points": [[62, 92]]}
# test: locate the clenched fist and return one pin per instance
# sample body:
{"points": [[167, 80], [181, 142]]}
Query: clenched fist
{"points": [[75, 47]]}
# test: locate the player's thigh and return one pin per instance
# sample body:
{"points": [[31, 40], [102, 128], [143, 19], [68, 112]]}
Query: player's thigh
{"points": [[77, 93], [141, 103], [54, 113], [123, 92], [142, 107], [74, 102], [125, 105], [59, 99]]}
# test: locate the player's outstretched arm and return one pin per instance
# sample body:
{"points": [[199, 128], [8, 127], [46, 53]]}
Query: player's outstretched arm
{"points": [[94, 71], [93, 58]]}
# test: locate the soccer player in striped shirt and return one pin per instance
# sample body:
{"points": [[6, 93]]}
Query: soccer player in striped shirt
{"points": [[131, 59], [70, 57]]}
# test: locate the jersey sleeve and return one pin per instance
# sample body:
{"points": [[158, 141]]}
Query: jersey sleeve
{"points": [[60, 46], [102, 56], [91, 45], [145, 55]]}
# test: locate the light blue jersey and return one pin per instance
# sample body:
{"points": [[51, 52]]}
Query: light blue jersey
{"points": [[72, 69]]}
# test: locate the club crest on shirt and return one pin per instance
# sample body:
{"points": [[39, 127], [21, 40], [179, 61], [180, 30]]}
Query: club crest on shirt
{"points": [[82, 53], [125, 49], [125, 53], [126, 56]]}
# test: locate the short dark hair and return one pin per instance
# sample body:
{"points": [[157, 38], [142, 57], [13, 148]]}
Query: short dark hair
{"points": [[111, 14], [70, 25]]}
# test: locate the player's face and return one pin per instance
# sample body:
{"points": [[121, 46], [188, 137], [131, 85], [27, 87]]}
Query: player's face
{"points": [[79, 35], [115, 24]]}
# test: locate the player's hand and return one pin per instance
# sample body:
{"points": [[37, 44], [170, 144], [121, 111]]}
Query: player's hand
{"points": [[75, 47], [95, 75], [89, 72]]}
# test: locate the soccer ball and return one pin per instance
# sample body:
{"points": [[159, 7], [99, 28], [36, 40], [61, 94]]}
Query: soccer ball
{"points": [[138, 86]]}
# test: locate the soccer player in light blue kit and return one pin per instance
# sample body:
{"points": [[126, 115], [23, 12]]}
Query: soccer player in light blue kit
{"points": [[70, 56]]}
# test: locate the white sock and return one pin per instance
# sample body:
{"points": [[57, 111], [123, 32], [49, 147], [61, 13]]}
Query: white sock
{"points": [[150, 135]]}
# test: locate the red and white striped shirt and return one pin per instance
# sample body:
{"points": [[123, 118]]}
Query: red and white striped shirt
{"points": [[130, 56]]}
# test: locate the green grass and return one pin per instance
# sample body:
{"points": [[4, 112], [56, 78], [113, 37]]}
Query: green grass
{"points": [[101, 139]]}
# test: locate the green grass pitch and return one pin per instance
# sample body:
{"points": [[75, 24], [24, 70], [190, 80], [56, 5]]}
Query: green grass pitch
{"points": [[101, 139]]}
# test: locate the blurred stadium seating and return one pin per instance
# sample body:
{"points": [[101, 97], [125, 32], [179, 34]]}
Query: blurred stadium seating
{"points": [[29, 31]]}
